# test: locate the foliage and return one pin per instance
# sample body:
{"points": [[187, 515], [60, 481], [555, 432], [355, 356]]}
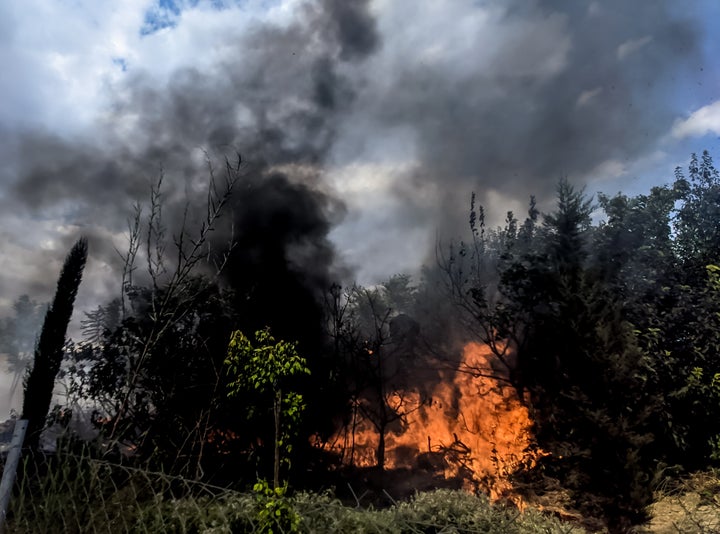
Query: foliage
{"points": [[579, 360], [49, 350], [698, 235], [267, 368], [176, 398], [149, 372], [613, 331], [276, 513], [609, 331]]}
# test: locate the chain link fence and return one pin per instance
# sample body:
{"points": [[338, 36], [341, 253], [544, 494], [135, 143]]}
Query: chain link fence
{"points": [[70, 492], [78, 493]]}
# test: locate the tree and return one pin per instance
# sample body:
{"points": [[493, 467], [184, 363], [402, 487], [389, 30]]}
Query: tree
{"points": [[696, 220], [475, 275], [375, 343], [177, 398], [174, 289], [150, 369], [49, 350], [550, 317], [18, 335], [378, 399], [656, 254], [267, 369]]}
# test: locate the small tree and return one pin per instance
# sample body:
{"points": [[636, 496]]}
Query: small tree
{"points": [[18, 335], [49, 350], [266, 369], [380, 358]]}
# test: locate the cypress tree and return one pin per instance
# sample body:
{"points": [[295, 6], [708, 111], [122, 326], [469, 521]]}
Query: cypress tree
{"points": [[49, 349]]}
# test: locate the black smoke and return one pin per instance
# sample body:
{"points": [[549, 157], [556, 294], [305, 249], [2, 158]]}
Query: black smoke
{"points": [[282, 260], [276, 98], [504, 107]]}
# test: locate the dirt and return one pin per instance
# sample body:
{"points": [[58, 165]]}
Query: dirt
{"points": [[686, 512]]}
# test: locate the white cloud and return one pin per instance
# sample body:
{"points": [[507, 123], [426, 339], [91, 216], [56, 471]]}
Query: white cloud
{"points": [[614, 169], [705, 120], [632, 46], [64, 60], [609, 170], [60, 57]]}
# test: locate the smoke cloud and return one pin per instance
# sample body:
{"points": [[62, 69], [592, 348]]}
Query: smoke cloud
{"points": [[365, 125], [506, 99]]}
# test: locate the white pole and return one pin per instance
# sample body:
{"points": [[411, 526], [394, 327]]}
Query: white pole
{"points": [[8, 476]]}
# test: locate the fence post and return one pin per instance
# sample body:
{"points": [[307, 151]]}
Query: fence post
{"points": [[8, 476]]}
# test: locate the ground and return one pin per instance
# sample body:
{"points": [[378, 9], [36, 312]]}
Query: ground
{"points": [[690, 506]]}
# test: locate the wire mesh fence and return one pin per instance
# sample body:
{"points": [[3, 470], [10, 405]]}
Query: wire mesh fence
{"points": [[71, 492], [78, 493]]}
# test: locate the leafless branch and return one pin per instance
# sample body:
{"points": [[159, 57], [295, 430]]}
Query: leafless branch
{"points": [[172, 295]]}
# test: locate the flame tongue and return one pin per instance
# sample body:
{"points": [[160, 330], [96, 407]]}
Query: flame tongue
{"points": [[473, 427]]}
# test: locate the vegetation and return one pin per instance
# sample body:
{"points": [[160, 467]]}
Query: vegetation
{"points": [[76, 492], [614, 328], [608, 331], [265, 369], [49, 349]]}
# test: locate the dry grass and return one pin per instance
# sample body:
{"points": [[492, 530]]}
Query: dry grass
{"points": [[688, 506]]}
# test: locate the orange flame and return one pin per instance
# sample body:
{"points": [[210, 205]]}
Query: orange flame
{"points": [[474, 427], [221, 438]]}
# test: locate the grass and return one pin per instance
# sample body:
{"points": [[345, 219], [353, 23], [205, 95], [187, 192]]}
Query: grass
{"points": [[70, 493]]}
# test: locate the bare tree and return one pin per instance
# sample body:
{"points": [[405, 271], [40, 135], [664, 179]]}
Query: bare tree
{"points": [[173, 290]]}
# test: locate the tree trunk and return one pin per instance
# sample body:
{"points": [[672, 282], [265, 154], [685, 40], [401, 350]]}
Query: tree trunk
{"points": [[277, 405], [381, 449]]}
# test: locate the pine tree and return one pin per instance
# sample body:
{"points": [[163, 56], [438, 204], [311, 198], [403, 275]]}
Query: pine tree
{"points": [[49, 349]]}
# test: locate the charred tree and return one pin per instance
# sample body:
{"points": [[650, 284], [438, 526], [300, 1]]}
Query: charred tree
{"points": [[49, 350], [379, 364]]}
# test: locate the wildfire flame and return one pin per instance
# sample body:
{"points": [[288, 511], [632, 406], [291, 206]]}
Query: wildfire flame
{"points": [[473, 426]]}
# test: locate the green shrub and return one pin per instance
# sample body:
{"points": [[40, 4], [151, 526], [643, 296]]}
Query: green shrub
{"points": [[325, 513], [275, 513]]}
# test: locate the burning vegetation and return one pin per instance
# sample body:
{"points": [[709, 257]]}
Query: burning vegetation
{"points": [[575, 348], [551, 356], [469, 426]]}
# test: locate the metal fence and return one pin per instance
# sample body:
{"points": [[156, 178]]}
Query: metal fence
{"points": [[78, 492], [71, 492]]}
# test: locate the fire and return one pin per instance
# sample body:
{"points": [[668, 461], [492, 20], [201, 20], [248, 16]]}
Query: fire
{"points": [[221, 438], [471, 426]]}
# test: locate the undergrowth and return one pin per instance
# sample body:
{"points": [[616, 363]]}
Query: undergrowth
{"points": [[70, 493]]}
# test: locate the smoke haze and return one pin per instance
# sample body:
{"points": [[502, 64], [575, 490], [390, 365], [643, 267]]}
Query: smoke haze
{"points": [[365, 126]]}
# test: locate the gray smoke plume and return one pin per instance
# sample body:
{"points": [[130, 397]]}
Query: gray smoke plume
{"points": [[276, 96], [500, 97], [537, 91]]}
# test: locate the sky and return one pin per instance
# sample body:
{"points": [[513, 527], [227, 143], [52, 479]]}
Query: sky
{"points": [[388, 112]]}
